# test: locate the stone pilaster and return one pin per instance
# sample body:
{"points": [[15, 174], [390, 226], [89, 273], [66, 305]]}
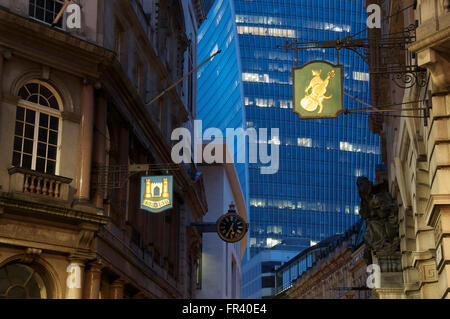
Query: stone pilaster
{"points": [[75, 278], [117, 289], [99, 151], [92, 281], [85, 142]]}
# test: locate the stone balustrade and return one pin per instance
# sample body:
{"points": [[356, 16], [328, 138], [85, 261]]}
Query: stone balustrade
{"points": [[31, 182]]}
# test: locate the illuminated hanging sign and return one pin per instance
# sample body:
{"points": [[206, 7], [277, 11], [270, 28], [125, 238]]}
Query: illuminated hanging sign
{"points": [[318, 90], [156, 193]]}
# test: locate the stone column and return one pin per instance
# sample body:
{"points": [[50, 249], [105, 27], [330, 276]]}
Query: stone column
{"points": [[74, 281], [85, 142], [124, 139], [92, 281], [117, 289], [1, 76], [99, 151]]}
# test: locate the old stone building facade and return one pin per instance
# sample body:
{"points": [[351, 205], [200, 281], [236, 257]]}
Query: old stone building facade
{"points": [[73, 116], [335, 268], [416, 151]]}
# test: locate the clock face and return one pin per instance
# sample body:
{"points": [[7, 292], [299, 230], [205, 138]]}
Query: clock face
{"points": [[231, 227]]}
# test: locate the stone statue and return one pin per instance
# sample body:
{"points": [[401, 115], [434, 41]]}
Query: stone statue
{"points": [[380, 212]]}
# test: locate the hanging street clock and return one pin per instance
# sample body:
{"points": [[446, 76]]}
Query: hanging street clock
{"points": [[231, 227]]}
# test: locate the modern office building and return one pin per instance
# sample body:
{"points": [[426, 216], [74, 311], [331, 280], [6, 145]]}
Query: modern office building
{"points": [[314, 194], [335, 268], [220, 102], [258, 273]]}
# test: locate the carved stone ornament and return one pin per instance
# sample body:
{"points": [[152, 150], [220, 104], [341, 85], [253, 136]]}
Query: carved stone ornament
{"points": [[85, 239], [31, 254], [380, 212]]}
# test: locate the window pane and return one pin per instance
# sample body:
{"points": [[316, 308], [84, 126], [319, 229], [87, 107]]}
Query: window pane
{"points": [[18, 144], [31, 10], [43, 135], [53, 138], [18, 274], [31, 116], [19, 129], [29, 131], [53, 103], [51, 152], [28, 146], [41, 150], [54, 123], [48, 17], [50, 5], [20, 113], [39, 13], [43, 120], [46, 92], [17, 292], [43, 101], [33, 288], [40, 164], [16, 159], [51, 165], [23, 93], [40, 3], [33, 98], [33, 88], [26, 161]]}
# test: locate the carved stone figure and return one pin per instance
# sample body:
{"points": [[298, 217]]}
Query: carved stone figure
{"points": [[380, 212]]}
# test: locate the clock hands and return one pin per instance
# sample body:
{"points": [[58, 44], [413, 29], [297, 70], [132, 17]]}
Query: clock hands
{"points": [[230, 231]]}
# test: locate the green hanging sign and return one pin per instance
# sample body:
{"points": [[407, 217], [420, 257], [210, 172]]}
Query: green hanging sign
{"points": [[318, 90]]}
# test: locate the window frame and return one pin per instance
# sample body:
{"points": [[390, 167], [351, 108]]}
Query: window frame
{"points": [[63, 18], [39, 109]]}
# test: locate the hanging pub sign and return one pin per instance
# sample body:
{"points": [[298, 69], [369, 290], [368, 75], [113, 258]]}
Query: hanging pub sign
{"points": [[156, 193], [318, 90]]}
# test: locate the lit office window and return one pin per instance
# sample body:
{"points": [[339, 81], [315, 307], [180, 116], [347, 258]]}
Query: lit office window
{"points": [[271, 32], [360, 76]]}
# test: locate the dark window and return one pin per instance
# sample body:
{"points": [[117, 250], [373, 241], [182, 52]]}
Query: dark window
{"points": [[46, 10], [268, 282]]}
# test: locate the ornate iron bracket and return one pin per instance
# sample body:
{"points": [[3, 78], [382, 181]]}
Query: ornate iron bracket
{"points": [[115, 176], [387, 55]]}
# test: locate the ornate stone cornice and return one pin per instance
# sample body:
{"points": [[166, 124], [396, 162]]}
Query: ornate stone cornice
{"points": [[436, 39], [61, 51], [10, 203]]}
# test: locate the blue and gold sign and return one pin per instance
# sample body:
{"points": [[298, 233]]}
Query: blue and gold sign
{"points": [[156, 193]]}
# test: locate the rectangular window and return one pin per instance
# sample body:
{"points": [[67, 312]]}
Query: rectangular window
{"points": [[46, 10], [268, 282]]}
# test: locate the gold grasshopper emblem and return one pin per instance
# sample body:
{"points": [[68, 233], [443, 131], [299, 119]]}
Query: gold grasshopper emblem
{"points": [[315, 92]]}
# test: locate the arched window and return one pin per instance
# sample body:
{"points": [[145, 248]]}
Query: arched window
{"points": [[38, 122], [19, 281]]}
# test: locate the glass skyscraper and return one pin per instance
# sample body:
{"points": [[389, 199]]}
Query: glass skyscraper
{"points": [[220, 102], [314, 193]]}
